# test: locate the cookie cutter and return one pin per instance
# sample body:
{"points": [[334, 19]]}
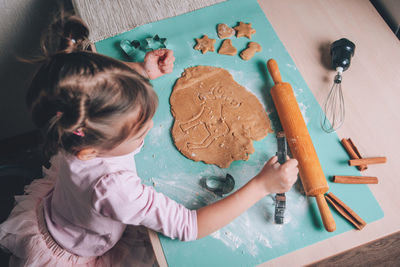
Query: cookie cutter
{"points": [[137, 49], [154, 43], [280, 198], [219, 185]]}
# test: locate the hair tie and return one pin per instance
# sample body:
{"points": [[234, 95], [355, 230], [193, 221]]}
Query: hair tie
{"points": [[79, 132]]}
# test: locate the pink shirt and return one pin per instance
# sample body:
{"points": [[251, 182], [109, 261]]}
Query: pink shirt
{"points": [[94, 200]]}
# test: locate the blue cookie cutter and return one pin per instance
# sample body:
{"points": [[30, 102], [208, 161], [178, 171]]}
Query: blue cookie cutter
{"points": [[219, 185], [137, 49]]}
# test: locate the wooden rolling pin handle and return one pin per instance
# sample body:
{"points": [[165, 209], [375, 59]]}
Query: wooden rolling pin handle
{"points": [[273, 69], [326, 214]]}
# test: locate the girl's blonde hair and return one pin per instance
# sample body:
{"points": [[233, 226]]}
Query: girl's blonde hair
{"points": [[80, 98]]}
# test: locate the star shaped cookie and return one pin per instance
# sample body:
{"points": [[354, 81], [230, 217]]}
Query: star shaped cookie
{"points": [[205, 44], [244, 29]]}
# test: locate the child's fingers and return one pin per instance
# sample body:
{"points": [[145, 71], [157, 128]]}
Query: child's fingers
{"points": [[166, 54], [167, 59], [167, 62], [291, 163], [169, 55], [272, 160], [167, 69], [290, 168], [159, 52]]}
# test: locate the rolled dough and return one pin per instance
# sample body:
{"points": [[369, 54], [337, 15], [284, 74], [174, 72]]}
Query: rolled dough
{"points": [[216, 118]]}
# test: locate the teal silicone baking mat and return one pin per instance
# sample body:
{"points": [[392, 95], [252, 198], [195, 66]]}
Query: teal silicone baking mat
{"points": [[252, 238]]}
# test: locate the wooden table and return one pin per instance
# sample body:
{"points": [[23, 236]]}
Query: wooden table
{"points": [[372, 94], [371, 90]]}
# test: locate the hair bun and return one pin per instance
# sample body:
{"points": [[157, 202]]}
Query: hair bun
{"points": [[75, 35], [67, 34]]}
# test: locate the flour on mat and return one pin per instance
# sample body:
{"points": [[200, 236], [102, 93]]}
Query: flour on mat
{"points": [[156, 133], [251, 81], [254, 232], [291, 66], [303, 109]]}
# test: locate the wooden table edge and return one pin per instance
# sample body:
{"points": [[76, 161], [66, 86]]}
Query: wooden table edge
{"points": [[157, 248]]}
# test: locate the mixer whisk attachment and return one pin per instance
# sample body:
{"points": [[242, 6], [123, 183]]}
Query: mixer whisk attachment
{"points": [[334, 105], [334, 109]]}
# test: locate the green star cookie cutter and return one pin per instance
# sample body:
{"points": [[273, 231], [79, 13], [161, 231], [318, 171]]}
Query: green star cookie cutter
{"points": [[154, 43]]}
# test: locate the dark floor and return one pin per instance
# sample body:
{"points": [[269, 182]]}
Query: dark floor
{"points": [[20, 163]]}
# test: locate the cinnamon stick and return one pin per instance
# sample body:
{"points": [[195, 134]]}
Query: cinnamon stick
{"points": [[353, 152], [355, 179], [367, 161], [345, 211]]}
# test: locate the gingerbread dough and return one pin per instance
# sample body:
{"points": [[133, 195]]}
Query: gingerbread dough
{"points": [[227, 48], [205, 44], [216, 118], [224, 31], [244, 29]]}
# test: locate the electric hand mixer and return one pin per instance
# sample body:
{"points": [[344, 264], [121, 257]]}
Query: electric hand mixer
{"points": [[301, 146]]}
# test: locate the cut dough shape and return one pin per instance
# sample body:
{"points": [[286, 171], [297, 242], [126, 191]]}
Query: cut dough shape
{"points": [[205, 44], [216, 118], [244, 29], [250, 51], [224, 31], [227, 48]]}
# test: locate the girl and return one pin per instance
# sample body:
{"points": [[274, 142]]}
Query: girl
{"points": [[95, 112]]}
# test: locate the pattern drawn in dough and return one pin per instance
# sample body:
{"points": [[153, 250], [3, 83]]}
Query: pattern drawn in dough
{"points": [[216, 119]]}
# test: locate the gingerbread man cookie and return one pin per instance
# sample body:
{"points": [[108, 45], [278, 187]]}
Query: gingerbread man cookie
{"points": [[244, 29], [251, 49], [205, 44], [227, 48], [224, 31]]}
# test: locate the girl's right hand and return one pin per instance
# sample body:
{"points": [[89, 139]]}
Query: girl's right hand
{"points": [[273, 178], [277, 178]]}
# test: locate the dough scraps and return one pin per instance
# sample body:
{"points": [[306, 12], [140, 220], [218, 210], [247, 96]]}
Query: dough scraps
{"points": [[205, 44], [227, 48], [216, 118], [244, 29], [224, 31]]}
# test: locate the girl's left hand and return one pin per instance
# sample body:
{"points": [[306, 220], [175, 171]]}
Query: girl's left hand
{"points": [[158, 62]]}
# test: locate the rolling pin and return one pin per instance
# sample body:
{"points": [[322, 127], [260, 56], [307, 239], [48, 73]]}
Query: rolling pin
{"points": [[301, 146]]}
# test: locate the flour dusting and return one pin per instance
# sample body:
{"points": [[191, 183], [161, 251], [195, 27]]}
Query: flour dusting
{"points": [[254, 231], [157, 132], [303, 109], [251, 81], [291, 66]]}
